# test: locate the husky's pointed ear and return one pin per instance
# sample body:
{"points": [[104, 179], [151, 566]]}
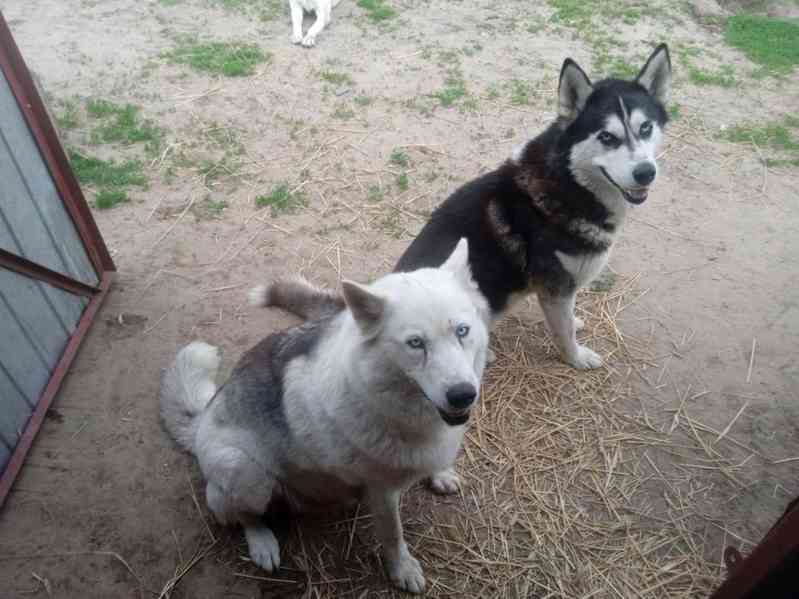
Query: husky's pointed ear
{"points": [[367, 307], [573, 90], [655, 77]]}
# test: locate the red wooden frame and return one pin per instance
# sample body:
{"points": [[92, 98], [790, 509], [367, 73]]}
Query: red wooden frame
{"points": [[43, 131]]}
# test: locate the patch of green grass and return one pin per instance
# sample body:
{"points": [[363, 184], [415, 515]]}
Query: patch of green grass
{"points": [[169, 2], [724, 77], [70, 117], [519, 92], [106, 173], [472, 48], [108, 198], [779, 135], [213, 170], [362, 100], [374, 194], [377, 10], [574, 13], [402, 181], [99, 108], [232, 59], [771, 43], [122, 124], [209, 208], [619, 67], [343, 112], [675, 111], [454, 89], [335, 77], [282, 200], [399, 158]]}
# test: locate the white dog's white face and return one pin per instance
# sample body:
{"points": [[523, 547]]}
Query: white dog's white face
{"points": [[433, 331]]}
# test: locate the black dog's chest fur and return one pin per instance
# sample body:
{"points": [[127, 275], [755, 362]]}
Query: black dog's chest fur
{"points": [[516, 218]]}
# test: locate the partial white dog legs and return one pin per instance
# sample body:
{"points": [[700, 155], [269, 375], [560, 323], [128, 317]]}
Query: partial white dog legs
{"points": [[403, 569]]}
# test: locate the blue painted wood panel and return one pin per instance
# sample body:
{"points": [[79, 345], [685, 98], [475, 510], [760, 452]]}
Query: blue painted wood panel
{"points": [[33, 220]]}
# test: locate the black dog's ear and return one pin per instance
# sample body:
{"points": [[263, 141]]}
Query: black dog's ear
{"points": [[655, 77], [573, 90], [367, 307]]}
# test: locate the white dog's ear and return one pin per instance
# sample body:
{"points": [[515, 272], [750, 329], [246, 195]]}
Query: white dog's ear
{"points": [[573, 90], [655, 77], [458, 260], [367, 307]]}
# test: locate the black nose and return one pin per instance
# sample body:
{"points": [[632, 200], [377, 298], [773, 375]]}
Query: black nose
{"points": [[461, 396], [644, 173]]}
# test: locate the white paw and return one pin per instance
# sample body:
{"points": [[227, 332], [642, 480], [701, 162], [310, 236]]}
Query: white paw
{"points": [[579, 323], [406, 573], [446, 482], [309, 41], [491, 357], [264, 549], [296, 38], [585, 359]]}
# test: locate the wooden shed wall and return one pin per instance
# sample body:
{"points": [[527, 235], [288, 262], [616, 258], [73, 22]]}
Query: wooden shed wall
{"points": [[36, 318]]}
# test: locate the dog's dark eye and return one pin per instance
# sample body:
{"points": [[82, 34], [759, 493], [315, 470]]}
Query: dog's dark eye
{"points": [[645, 130], [607, 138], [415, 342], [462, 331]]}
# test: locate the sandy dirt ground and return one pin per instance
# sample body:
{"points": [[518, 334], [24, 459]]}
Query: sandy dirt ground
{"points": [[626, 482]]}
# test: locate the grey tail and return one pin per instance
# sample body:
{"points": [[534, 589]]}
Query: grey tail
{"points": [[298, 296]]}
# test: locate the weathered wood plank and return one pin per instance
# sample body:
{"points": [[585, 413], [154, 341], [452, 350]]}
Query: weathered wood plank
{"points": [[14, 409], [66, 312], [32, 207], [37, 317], [20, 360]]}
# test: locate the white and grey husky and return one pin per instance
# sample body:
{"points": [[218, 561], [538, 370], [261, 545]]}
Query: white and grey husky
{"points": [[323, 10], [368, 396], [546, 220]]}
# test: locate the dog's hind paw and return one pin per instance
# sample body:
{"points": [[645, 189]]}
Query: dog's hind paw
{"points": [[406, 573], [585, 359], [264, 548], [296, 38], [446, 482], [309, 41]]}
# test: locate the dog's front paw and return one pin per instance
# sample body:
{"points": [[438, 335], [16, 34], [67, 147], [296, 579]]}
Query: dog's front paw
{"points": [[585, 359], [264, 548], [309, 41], [406, 573], [579, 323], [446, 482], [296, 38]]}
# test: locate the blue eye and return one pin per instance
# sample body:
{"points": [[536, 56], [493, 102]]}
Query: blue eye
{"points": [[415, 342], [462, 331]]}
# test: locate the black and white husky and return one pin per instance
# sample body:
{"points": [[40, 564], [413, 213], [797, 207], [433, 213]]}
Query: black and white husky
{"points": [[368, 396], [546, 220]]}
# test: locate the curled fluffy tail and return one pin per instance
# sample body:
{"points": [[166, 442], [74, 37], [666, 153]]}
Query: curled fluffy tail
{"points": [[298, 296], [186, 388]]}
